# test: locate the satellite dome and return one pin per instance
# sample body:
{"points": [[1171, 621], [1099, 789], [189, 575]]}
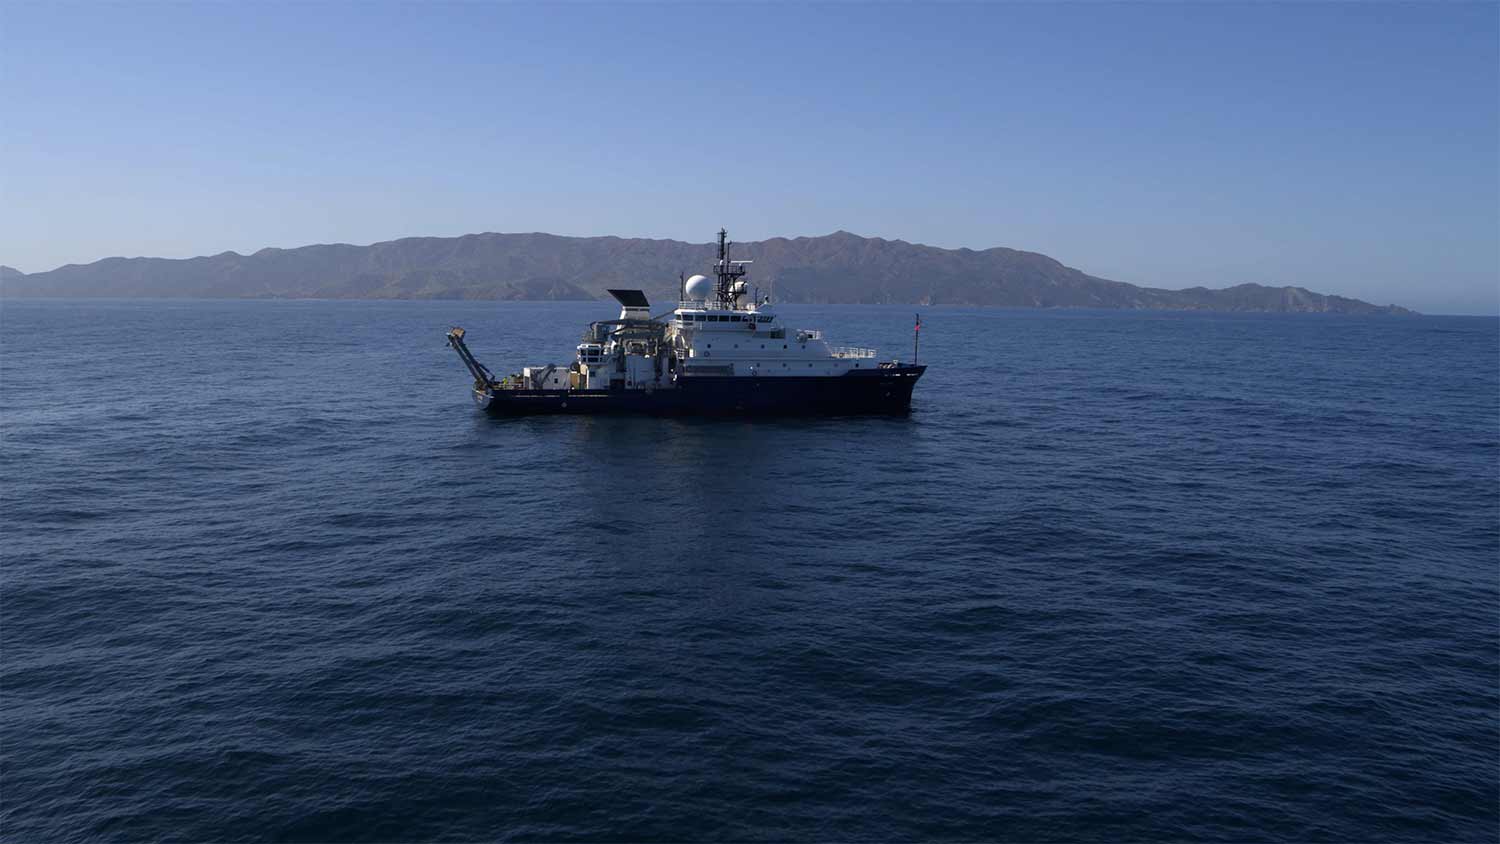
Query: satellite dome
{"points": [[698, 287]]}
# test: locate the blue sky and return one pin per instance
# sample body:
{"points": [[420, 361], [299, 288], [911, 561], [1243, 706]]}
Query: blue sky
{"points": [[1348, 148]]}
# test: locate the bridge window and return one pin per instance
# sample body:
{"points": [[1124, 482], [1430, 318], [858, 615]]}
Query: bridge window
{"points": [[736, 318]]}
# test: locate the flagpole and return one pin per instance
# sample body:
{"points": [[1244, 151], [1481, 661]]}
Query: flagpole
{"points": [[916, 335]]}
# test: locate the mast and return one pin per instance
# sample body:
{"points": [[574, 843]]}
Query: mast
{"points": [[727, 271]]}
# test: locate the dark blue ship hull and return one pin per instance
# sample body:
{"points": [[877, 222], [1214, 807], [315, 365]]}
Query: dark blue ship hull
{"points": [[886, 390]]}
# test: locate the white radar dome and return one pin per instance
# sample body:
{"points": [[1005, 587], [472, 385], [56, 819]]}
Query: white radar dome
{"points": [[698, 287]]}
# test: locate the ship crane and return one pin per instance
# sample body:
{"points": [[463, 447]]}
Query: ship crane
{"points": [[482, 376]]}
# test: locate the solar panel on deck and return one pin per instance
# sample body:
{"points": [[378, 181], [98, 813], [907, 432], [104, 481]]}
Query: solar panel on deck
{"points": [[630, 298]]}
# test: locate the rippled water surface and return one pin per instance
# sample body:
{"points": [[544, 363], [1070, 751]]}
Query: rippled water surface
{"points": [[267, 575]]}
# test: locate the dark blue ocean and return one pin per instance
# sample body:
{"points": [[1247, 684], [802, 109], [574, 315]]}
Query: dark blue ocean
{"points": [[268, 576]]}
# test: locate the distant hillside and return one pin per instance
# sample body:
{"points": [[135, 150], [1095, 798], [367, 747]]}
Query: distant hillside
{"points": [[836, 268]]}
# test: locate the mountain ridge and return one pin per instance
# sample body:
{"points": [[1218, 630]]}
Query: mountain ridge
{"points": [[840, 267]]}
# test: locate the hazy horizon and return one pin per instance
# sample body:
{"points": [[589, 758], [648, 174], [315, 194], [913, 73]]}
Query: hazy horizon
{"points": [[1346, 149]]}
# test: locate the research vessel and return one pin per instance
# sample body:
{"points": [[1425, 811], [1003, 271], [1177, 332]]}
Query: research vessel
{"points": [[724, 350]]}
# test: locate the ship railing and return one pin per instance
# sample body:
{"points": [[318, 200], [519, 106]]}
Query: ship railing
{"points": [[709, 304], [805, 334], [852, 352], [520, 381]]}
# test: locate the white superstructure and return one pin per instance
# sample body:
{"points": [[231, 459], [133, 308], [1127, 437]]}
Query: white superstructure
{"points": [[720, 330]]}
